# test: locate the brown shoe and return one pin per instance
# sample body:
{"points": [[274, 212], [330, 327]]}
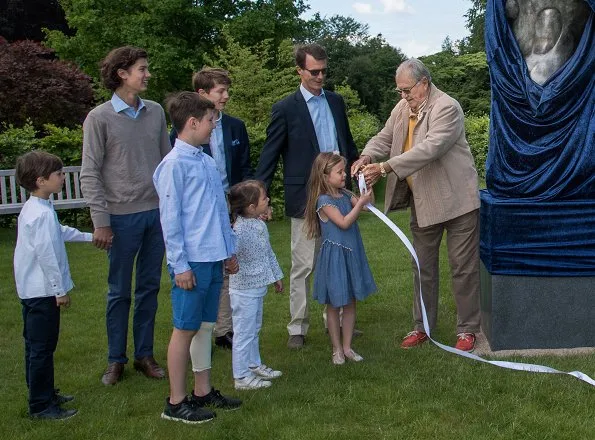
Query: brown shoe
{"points": [[296, 341], [149, 367], [113, 374]]}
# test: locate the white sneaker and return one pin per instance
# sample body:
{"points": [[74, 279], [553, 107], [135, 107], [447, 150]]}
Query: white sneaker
{"points": [[251, 383], [266, 372]]}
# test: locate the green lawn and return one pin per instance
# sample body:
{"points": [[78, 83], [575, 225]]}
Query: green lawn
{"points": [[422, 393]]}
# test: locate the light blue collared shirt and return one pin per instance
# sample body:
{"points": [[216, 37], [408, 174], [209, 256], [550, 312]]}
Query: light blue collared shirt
{"points": [[323, 121], [193, 210], [120, 106], [218, 152]]}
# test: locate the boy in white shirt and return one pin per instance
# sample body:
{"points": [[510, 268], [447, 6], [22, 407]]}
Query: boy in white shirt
{"points": [[42, 279]]}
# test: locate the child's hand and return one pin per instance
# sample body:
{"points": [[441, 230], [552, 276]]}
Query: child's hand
{"points": [[63, 301], [366, 197], [268, 215], [231, 265], [185, 280], [279, 286]]}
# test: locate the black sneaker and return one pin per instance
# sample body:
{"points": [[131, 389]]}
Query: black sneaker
{"points": [[54, 412], [186, 412], [60, 399], [216, 400]]}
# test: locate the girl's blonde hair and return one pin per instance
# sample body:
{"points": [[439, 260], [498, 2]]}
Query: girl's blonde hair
{"points": [[244, 194], [318, 185]]}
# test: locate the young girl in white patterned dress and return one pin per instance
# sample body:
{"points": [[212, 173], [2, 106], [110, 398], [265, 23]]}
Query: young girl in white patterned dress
{"points": [[258, 268], [342, 274]]}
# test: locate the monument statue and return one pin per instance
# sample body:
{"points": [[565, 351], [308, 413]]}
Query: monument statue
{"points": [[538, 211], [547, 32]]}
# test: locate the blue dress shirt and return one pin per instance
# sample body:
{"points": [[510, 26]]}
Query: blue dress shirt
{"points": [[218, 152], [121, 107], [323, 121], [193, 208]]}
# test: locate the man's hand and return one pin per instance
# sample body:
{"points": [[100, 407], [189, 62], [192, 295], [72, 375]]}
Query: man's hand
{"points": [[102, 237], [231, 265], [63, 301], [359, 164], [279, 286], [372, 174], [185, 280]]}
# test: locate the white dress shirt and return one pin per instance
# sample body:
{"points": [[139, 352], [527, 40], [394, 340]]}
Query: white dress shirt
{"points": [[40, 262]]}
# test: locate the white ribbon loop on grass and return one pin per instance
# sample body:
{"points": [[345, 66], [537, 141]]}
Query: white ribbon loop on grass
{"points": [[503, 364]]}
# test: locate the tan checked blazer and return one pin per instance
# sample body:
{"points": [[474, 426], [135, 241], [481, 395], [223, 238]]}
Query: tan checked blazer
{"points": [[445, 184]]}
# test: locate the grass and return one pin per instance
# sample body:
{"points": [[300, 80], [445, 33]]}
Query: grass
{"points": [[423, 393]]}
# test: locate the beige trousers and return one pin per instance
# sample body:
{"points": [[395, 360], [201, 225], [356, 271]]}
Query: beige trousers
{"points": [[303, 260], [462, 243], [223, 324]]}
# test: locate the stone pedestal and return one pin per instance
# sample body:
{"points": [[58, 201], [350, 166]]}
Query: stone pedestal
{"points": [[522, 312]]}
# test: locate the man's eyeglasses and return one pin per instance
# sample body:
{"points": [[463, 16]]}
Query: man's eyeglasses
{"points": [[408, 90], [316, 72]]}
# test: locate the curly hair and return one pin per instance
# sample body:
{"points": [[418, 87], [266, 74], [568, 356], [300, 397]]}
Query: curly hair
{"points": [[119, 58]]}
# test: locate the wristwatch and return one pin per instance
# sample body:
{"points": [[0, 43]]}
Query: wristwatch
{"points": [[382, 170]]}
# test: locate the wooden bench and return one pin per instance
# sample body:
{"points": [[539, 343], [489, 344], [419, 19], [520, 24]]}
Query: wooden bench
{"points": [[14, 196]]}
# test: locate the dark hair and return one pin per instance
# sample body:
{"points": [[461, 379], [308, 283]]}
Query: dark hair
{"points": [[244, 194], [208, 77], [184, 105], [119, 58], [35, 164], [315, 50]]}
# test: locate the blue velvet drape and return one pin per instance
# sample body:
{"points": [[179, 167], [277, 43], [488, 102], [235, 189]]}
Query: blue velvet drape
{"points": [[542, 137], [538, 213]]}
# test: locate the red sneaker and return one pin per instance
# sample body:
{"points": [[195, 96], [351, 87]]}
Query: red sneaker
{"points": [[413, 339], [465, 342]]}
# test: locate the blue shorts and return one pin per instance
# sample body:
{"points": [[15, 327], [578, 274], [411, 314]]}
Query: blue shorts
{"points": [[193, 307]]}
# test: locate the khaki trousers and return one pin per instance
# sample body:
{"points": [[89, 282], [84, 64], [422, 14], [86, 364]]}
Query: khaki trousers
{"points": [[303, 260], [224, 324], [462, 242]]}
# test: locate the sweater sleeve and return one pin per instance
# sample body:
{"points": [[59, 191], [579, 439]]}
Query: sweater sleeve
{"points": [[92, 184]]}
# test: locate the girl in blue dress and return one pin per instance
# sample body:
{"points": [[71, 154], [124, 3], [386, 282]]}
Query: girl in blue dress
{"points": [[342, 274]]}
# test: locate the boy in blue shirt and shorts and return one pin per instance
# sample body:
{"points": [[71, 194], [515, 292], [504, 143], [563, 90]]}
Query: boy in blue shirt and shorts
{"points": [[198, 242]]}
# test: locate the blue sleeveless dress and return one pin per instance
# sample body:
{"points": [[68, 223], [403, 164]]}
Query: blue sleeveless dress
{"points": [[342, 272]]}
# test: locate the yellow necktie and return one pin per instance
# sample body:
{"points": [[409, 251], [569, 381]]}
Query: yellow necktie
{"points": [[409, 143]]}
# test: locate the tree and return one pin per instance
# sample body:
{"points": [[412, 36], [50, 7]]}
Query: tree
{"points": [[36, 86], [177, 35], [25, 19], [476, 25], [464, 77]]}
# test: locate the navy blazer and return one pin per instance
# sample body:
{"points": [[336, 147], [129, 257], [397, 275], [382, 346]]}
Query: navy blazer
{"points": [[237, 149], [291, 135]]}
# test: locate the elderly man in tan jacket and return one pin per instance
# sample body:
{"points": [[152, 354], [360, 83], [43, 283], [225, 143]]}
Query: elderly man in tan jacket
{"points": [[429, 167]]}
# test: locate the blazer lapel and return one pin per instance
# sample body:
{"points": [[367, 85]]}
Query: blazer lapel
{"points": [[304, 115], [226, 128]]}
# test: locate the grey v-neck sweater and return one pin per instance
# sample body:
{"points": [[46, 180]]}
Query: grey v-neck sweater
{"points": [[120, 155]]}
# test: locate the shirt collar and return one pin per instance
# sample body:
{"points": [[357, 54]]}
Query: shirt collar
{"points": [[119, 104], [420, 110], [308, 95], [187, 148]]}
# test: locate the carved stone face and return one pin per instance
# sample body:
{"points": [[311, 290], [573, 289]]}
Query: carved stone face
{"points": [[547, 31]]}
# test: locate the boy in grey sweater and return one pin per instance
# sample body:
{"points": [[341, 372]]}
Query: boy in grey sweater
{"points": [[124, 140]]}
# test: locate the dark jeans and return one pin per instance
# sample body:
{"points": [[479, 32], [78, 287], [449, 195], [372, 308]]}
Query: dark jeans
{"points": [[137, 236], [41, 326]]}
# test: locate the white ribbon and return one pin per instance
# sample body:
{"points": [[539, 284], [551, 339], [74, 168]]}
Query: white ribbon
{"points": [[503, 364]]}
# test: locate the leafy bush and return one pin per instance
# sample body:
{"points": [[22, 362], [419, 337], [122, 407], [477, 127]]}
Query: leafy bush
{"points": [[34, 86], [477, 130], [66, 143]]}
